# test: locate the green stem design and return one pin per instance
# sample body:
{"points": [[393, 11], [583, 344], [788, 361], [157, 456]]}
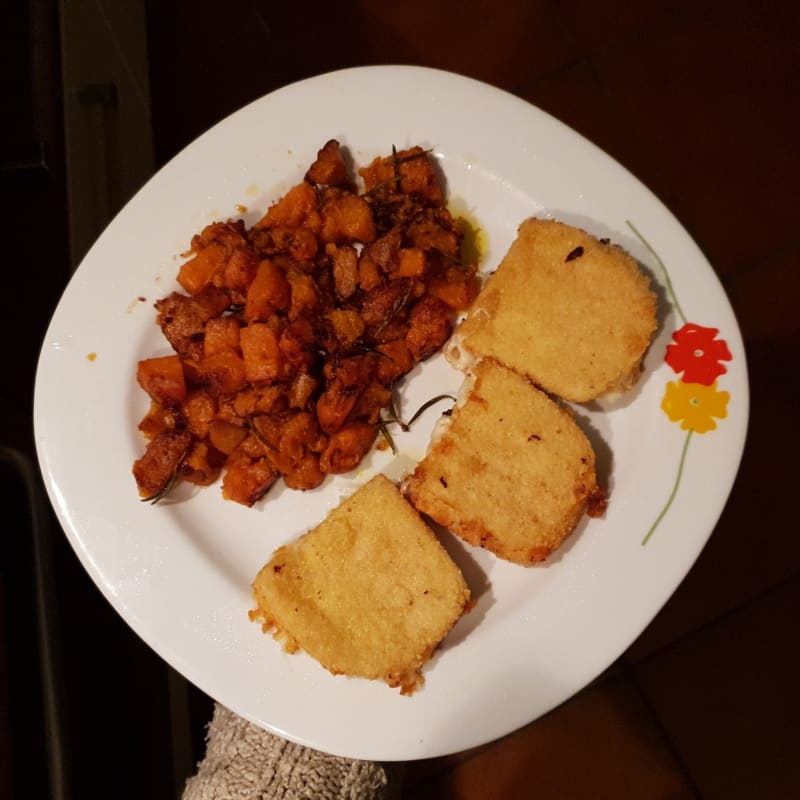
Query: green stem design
{"points": [[673, 493], [672, 296]]}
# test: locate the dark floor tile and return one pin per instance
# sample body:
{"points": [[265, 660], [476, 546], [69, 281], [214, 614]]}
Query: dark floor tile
{"points": [[710, 93], [576, 751], [729, 701]]}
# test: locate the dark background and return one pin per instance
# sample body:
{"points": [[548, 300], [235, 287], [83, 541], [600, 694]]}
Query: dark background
{"points": [[698, 98]]}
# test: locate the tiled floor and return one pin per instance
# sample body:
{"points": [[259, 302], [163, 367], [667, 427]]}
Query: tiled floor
{"points": [[701, 100]]}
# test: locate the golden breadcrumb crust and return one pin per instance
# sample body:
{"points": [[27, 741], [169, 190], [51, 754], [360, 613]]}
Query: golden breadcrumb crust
{"points": [[511, 472], [369, 592], [573, 313]]}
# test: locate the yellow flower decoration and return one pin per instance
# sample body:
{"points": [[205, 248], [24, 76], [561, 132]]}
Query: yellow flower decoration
{"points": [[695, 405]]}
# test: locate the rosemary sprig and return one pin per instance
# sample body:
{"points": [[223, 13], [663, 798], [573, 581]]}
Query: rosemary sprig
{"points": [[394, 417], [260, 436], [396, 162], [396, 306], [366, 348], [168, 484], [384, 431], [406, 159], [425, 406]]}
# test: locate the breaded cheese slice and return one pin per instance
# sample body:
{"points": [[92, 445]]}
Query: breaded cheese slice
{"points": [[573, 313], [510, 470], [369, 592]]}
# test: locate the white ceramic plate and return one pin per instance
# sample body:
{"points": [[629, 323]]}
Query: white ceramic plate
{"points": [[179, 573]]}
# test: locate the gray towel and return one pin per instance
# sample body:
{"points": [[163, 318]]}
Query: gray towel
{"points": [[244, 762]]}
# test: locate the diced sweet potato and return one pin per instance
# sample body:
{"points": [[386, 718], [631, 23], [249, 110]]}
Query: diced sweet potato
{"points": [[334, 405], [396, 361], [298, 344], [455, 290], [412, 263], [225, 436], [347, 447], [202, 464], [301, 389], [329, 168], [348, 326], [304, 295], [160, 462], [347, 218], [222, 336], [369, 275], [345, 269], [429, 327], [223, 373], [162, 378], [292, 209], [269, 292], [415, 170], [263, 360], [159, 419], [246, 481], [370, 402], [237, 273], [198, 272], [199, 409], [305, 473]]}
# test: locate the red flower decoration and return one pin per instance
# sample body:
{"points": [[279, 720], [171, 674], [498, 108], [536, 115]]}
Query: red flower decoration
{"points": [[697, 353]]}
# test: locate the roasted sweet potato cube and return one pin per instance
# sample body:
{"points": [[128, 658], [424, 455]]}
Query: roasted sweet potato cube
{"points": [[370, 402], [329, 169], [412, 263], [160, 462], [305, 473], [223, 373], [416, 172], [301, 389], [269, 292], [369, 275], [159, 419], [246, 481], [304, 295], [292, 209], [302, 244], [263, 360], [198, 272], [347, 218], [202, 465], [348, 327], [163, 379], [457, 288], [429, 326], [347, 447], [334, 406], [396, 361], [182, 319], [222, 336], [298, 344], [237, 273], [225, 436], [345, 269], [198, 410]]}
